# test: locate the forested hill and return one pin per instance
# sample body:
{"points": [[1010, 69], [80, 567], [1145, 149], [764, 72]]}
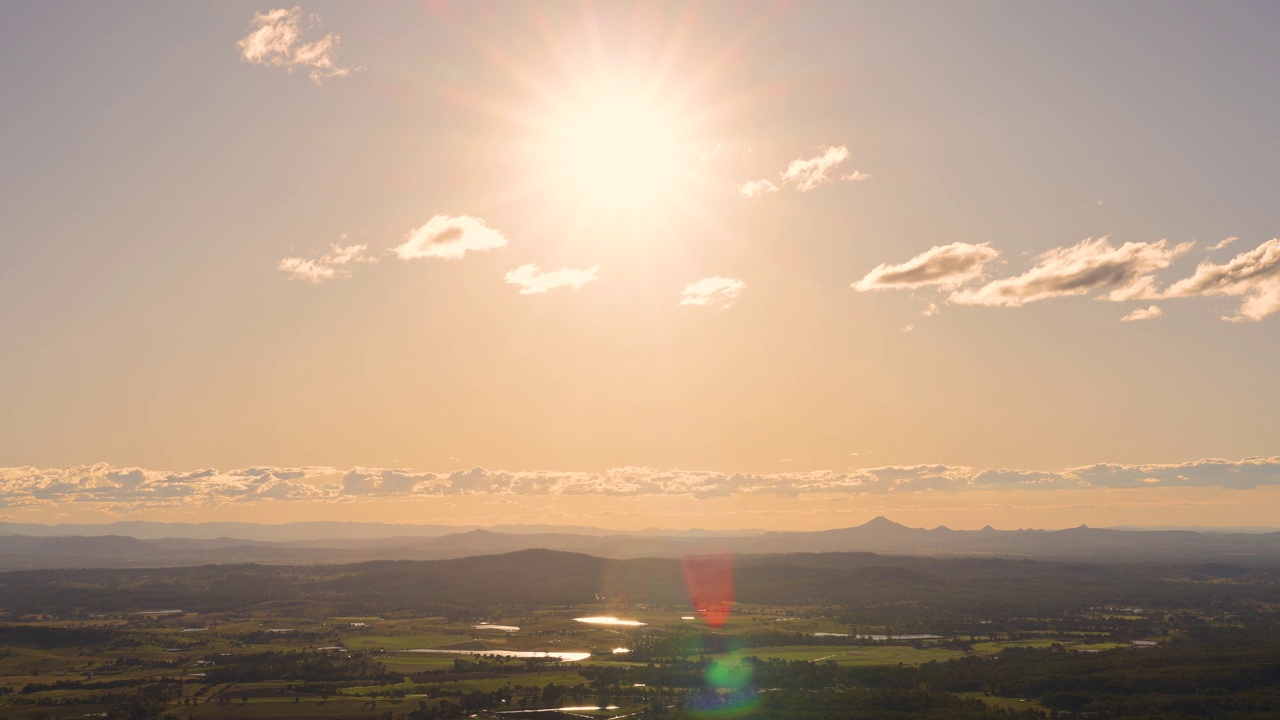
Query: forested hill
{"points": [[971, 587]]}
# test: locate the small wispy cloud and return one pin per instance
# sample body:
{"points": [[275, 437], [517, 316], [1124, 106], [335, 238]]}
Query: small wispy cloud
{"points": [[532, 280], [1222, 243], [946, 266], [1147, 313], [805, 174], [808, 173], [907, 328], [334, 264], [449, 237], [275, 40], [1253, 275], [753, 188], [1080, 269], [713, 291]]}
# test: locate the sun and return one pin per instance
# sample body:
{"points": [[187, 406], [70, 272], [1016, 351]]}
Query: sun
{"points": [[618, 152]]}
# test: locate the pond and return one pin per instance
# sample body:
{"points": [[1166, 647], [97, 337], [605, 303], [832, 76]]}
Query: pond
{"points": [[564, 713], [879, 637], [607, 620], [577, 708], [555, 655]]}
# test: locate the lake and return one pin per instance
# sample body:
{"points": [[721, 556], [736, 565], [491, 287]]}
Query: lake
{"points": [[564, 713], [879, 637], [606, 620], [555, 655]]}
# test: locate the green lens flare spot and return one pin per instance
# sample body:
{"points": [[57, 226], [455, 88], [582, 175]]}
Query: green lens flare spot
{"points": [[731, 676]]}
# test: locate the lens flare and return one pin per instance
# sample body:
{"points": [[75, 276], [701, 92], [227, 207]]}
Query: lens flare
{"points": [[709, 580]]}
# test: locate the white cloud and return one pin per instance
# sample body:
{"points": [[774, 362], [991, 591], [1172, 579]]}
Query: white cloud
{"points": [[809, 173], [1253, 275], [449, 237], [334, 264], [806, 173], [382, 481], [532, 280], [1079, 269], [138, 487], [908, 328], [712, 291], [752, 188], [1222, 243], [946, 266], [276, 40], [106, 486], [1143, 314]]}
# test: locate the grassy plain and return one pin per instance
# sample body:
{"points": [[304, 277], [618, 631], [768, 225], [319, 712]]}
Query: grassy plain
{"points": [[130, 651]]}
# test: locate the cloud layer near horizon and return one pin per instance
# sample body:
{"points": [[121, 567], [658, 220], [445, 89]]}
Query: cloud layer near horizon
{"points": [[139, 489]]}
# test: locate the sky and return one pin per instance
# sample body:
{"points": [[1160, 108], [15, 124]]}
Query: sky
{"points": [[727, 265]]}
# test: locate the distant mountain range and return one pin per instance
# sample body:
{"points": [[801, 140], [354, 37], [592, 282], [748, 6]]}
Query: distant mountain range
{"points": [[142, 544], [320, 530]]}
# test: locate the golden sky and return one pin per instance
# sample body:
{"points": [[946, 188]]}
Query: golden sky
{"points": [[776, 265]]}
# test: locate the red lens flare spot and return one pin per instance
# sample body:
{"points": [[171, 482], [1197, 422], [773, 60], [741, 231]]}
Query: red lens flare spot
{"points": [[709, 580]]}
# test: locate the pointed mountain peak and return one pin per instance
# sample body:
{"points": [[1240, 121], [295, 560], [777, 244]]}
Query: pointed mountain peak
{"points": [[881, 521]]}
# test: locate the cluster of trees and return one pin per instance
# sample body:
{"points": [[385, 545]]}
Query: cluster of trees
{"points": [[298, 665], [138, 702], [1213, 673], [884, 590]]}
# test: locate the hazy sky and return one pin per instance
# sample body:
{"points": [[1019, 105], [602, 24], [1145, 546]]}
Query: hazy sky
{"points": [[782, 265]]}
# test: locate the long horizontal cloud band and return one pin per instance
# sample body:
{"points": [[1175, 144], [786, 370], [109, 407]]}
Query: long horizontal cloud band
{"points": [[106, 484]]}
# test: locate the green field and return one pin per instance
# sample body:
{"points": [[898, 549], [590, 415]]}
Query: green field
{"points": [[358, 667], [862, 655]]}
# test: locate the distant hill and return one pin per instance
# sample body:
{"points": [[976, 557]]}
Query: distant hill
{"points": [[71, 546], [319, 530], [888, 589]]}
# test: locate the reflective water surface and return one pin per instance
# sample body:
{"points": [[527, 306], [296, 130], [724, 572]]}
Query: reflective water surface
{"points": [[608, 620], [556, 654]]}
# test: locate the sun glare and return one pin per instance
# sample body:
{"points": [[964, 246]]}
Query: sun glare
{"points": [[619, 153]]}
